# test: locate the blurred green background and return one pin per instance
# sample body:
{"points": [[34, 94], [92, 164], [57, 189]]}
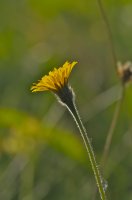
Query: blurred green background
{"points": [[41, 152]]}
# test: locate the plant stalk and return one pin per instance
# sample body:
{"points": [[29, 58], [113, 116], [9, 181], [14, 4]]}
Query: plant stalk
{"points": [[74, 112], [112, 129], [109, 32]]}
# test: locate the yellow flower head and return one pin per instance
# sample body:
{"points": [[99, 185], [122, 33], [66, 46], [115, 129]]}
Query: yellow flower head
{"points": [[55, 80]]}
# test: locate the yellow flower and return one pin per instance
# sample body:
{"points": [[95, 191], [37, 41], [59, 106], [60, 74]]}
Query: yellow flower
{"points": [[55, 80]]}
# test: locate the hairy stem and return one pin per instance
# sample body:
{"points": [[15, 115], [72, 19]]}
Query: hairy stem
{"points": [[74, 112]]}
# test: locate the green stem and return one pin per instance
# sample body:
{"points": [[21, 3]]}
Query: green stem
{"points": [[112, 129], [109, 32], [73, 110]]}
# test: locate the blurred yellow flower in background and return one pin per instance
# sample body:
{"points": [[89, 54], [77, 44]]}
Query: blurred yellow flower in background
{"points": [[125, 71]]}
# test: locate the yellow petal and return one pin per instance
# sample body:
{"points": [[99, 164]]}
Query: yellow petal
{"points": [[56, 78]]}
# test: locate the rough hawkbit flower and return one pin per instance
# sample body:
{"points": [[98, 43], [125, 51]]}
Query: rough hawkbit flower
{"points": [[125, 71], [57, 82]]}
